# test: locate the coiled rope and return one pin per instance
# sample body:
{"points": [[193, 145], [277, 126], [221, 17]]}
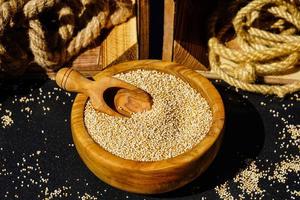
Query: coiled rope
{"points": [[259, 50], [26, 36]]}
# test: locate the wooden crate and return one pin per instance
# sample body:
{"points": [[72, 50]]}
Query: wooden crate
{"points": [[186, 28], [128, 41]]}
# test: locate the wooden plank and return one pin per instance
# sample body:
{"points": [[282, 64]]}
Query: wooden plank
{"points": [[168, 38], [88, 58], [143, 24], [283, 79], [190, 33], [120, 39], [183, 56], [86, 73]]}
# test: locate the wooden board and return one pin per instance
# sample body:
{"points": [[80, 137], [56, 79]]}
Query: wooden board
{"points": [[167, 53], [143, 24], [119, 45], [186, 36]]}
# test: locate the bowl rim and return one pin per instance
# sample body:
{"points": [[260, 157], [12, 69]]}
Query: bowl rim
{"points": [[94, 151]]}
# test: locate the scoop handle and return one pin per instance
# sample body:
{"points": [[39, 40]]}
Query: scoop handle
{"points": [[72, 81]]}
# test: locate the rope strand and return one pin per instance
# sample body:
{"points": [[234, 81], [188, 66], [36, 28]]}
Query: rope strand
{"points": [[259, 52], [79, 23]]}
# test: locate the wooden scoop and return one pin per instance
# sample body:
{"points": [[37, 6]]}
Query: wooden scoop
{"points": [[128, 100]]}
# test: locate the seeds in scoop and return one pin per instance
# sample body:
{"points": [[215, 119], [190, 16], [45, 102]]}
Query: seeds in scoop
{"points": [[178, 120]]}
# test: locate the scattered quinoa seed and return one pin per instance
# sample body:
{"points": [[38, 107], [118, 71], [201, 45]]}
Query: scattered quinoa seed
{"points": [[6, 119], [224, 192], [248, 180]]}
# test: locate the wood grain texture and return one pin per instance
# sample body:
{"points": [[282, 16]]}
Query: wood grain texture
{"points": [[283, 79], [88, 59], [120, 39], [128, 102], [190, 44], [182, 55], [129, 99], [168, 40], [159, 176], [143, 24]]}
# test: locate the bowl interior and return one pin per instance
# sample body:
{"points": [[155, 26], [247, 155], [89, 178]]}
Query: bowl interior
{"points": [[198, 82]]}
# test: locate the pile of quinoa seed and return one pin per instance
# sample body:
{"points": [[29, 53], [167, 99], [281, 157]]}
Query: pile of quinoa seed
{"points": [[275, 174], [179, 119]]}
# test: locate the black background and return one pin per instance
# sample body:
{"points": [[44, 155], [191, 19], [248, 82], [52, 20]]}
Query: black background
{"points": [[250, 134]]}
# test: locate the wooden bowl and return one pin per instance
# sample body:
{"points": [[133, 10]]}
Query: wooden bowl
{"points": [[158, 176]]}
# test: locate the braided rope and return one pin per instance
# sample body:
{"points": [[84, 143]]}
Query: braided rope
{"points": [[7, 10], [67, 20], [259, 52], [35, 7], [79, 23]]}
